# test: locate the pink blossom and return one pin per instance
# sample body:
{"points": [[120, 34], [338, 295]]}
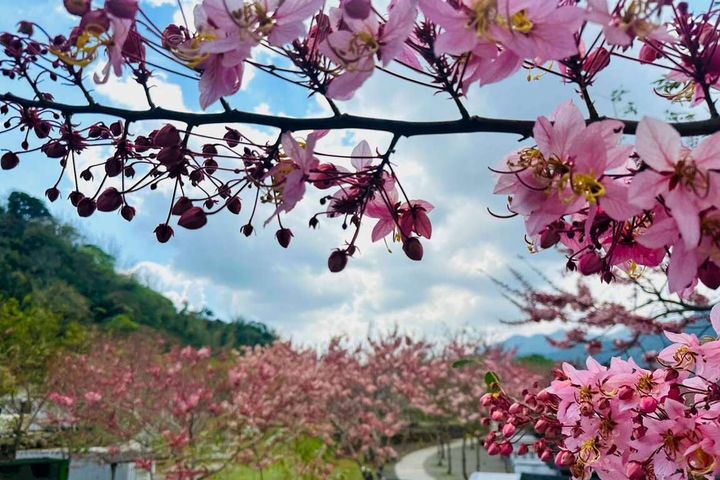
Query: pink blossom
{"points": [[356, 42], [290, 176], [684, 177]]}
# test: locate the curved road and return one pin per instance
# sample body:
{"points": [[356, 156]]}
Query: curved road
{"points": [[422, 464]]}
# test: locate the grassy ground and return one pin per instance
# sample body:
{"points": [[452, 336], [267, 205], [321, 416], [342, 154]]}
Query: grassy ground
{"points": [[344, 470]]}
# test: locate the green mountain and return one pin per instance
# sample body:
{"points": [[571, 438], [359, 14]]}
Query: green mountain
{"points": [[50, 265]]}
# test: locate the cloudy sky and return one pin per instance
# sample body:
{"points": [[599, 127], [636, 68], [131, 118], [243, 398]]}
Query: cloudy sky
{"points": [[291, 290]]}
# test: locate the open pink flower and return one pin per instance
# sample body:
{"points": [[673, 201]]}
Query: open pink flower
{"points": [[501, 35], [290, 176], [356, 42], [230, 29], [568, 171], [684, 177]]}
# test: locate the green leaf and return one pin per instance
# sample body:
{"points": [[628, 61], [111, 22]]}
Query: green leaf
{"points": [[493, 382], [464, 362]]}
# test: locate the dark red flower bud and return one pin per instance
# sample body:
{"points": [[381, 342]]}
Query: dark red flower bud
{"points": [[163, 232], [564, 458], [54, 149], [116, 128], [86, 207], [52, 194], [210, 166], [413, 248], [648, 404], [209, 149], [170, 155], [127, 212], [126, 9], [709, 274], [167, 136], [182, 205], [142, 144], [596, 61], [86, 175], [313, 223], [671, 374], [590, 263], [42, 129], [549, 238], [523, 449], [95, 131], [113, 167], [506, 449], [337, 261], [77, 7], [109, 200], [234, 205], [134, 48], [9, 160], [193, 218], [357, 9], [247, 230], [635, 471], [75, 198], [26, 28], [283, 236], [625, 392], [232, 137]]}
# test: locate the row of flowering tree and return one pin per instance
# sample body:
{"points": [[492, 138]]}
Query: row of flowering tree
{"points": [[186, 413]]}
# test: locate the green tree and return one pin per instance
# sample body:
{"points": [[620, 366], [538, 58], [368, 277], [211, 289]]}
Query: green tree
{"points": [[30, 338]]}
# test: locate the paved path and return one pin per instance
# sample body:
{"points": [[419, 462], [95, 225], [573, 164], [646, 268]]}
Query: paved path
{"points": [[423, 464]]}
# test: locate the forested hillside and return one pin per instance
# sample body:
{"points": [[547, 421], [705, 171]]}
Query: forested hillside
{"points": [[47, 264]]}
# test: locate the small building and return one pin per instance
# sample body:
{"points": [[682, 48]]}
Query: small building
{"points": [[93, 465]]}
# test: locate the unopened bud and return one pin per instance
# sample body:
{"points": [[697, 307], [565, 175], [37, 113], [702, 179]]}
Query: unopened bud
{"points": [[9, 160], [127, 212], [86, 207], [109, 200], [193, 218], [163, 232], [413, 249], [284, 235], [337, 261], [234, 205]]}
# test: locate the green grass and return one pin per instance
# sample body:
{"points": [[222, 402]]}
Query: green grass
{"points": [[294, 454], [344, 470]]}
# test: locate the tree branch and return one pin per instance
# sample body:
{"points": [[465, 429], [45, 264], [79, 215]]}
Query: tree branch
{"points": [[474, 124]]}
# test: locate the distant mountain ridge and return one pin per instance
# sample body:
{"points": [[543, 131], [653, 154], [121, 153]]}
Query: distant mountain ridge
{"points": [[50, 264], [538, 345]]}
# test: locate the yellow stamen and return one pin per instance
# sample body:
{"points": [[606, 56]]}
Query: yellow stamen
{"points": [[520, 22], [589, 187]]}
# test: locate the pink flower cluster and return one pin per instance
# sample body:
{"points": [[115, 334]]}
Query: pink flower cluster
{"points": [[249, 407], [622, 421], [615, 206]]}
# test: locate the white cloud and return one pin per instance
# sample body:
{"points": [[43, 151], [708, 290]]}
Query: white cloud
{"points": [[126, 92]]}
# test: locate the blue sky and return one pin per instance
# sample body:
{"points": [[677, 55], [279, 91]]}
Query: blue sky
{"points": [[291, 290]]}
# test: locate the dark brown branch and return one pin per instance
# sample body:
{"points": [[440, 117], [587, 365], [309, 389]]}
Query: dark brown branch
{"points": [[404, 128]]}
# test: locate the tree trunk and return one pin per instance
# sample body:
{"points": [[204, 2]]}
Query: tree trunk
{"points": [[477, 454], [464, 458], [17, 434], [449, 457], [113, 470], [441, 451]]}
